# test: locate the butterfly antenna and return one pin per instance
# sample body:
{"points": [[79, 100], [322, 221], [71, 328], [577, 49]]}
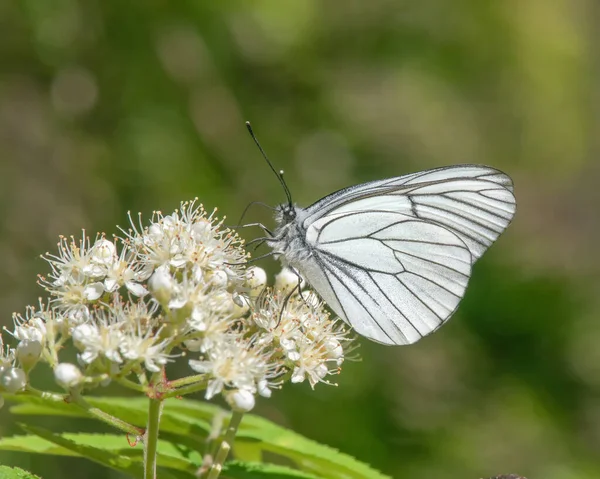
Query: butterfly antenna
{"points": [[279, 174]]}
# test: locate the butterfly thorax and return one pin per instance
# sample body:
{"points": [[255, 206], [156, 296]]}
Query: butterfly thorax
{"points": [[289, 237]]}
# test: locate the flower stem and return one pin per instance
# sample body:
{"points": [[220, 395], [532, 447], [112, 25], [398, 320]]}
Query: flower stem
{"points": [[131, 385], [46, 395], [225, 446], [76, 399], [190, 388], [151, 438], [177, 383], [105, 417]]}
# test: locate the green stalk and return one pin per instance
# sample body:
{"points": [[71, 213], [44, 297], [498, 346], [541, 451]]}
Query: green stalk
{"points": [[151, 438], [131, 385], [177, 383], [105, 417], [77, 400], [185, 387], [225, 446]]}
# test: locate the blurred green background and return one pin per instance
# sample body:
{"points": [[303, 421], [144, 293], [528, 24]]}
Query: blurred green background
{"points": [[109, 106]]}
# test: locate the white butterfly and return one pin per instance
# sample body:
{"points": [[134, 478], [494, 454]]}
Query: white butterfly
{"points": [[393, 257]]}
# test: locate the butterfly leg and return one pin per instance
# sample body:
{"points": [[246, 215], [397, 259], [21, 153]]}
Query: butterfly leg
{"points": [[260, 225], [260, 242], [297, 288], [266, 255]]}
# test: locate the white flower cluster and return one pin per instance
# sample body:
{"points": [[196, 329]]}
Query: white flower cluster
{"points": [[177, 287]]}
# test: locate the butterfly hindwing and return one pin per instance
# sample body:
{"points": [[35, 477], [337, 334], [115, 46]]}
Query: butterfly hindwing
{"points": [[393, 278]]}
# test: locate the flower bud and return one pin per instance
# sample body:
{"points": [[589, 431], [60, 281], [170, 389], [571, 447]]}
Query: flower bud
{"points": [[13, 380], [241, 305], [93, 291], [28, 353], [256, 280], [67, 375], [104, 251], [218, 279], [286, 280], [161, 284], [241, 400], [263, 388]]}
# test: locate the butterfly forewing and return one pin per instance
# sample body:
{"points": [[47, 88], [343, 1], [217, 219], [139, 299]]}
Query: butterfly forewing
{"points": [[475, 202]]}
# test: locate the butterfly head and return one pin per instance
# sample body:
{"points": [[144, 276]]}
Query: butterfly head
{"points": [[286, 214], [289, 237]]}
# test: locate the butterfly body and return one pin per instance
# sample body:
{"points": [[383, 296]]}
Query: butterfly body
{"points": [[393, 257], [289, 238]]}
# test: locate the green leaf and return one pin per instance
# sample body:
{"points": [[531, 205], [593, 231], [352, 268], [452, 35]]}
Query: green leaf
{"points": [[104, 457], [35, 406], [33, 445], [15, 473], [188, 422], [246, 451], [255, 470], [132, 410], [103, 449], [308, 455]]}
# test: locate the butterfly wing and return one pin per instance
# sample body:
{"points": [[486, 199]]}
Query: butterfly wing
{"points": [[392, 277], [393, 257], [475, 202]]}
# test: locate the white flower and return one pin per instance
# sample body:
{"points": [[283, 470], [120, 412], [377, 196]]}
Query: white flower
{"points": [[73, 264], [313, 363], [204, 308], [77, 314], [71, 296], [310, 341], [125, 271], [141, 344], [311, 298], [236, 364], [122, 274], [67, 375], [101, 339], [281, 320], [188, 238], [32, 327]]}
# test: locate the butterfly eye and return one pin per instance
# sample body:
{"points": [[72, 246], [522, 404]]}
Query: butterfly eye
{"points": [[289, 212]]}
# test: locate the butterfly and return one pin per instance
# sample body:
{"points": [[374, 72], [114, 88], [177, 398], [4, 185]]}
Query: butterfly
{"points": [[393, 257]]}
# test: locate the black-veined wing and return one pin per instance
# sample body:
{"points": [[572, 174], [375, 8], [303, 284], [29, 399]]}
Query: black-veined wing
{"points": [[392, 277], [475, 202]]}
